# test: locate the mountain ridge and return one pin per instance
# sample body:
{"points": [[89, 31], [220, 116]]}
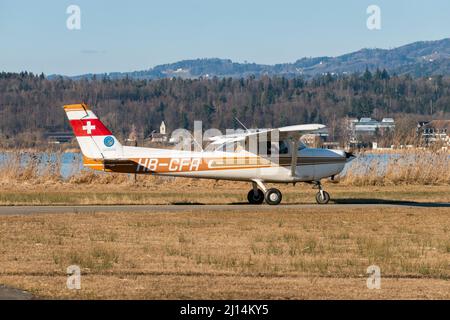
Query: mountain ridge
{"points": [[419, 59]]}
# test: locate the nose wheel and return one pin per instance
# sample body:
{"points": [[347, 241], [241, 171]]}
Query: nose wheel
{"points": [[322, 197]]}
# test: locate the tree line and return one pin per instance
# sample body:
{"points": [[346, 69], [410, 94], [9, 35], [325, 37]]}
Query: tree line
{"points": [[30, 105]]}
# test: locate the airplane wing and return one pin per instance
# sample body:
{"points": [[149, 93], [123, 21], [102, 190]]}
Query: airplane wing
{"points": [[299, 130], [302, 128], [284, 132]]}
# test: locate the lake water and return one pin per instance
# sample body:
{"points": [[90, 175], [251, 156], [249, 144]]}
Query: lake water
{"points": [[70, 163]]}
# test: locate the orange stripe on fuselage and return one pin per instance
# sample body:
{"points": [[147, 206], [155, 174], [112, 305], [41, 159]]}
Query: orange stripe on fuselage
{"points": [[93, 163], [173, 165], [186, 164]]}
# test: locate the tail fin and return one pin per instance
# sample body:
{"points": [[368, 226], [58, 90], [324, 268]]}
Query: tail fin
{"points": [[95, 140]]}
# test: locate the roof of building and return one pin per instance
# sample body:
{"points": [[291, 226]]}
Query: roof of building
{"points": [[158, 135]]}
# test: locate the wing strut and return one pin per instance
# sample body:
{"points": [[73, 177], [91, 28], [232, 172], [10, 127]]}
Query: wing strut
{"points": [[294, 152]]}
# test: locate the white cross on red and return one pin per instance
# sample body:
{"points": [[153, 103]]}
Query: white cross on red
{"points": [[88, 127]]}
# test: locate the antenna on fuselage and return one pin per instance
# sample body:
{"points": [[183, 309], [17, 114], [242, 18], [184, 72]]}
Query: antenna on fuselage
{"points": [[236, 118]]}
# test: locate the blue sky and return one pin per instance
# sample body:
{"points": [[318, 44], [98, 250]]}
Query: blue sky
{"points": [[137, 34]]}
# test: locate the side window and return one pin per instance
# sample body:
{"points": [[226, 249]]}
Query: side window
{"points": [[283, 147], [269, 148]]}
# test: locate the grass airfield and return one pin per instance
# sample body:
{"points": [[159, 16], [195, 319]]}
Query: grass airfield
{"points": [[191, 191], [287, 253]]}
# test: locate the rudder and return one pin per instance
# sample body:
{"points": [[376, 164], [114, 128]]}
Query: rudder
{"points": [[94, 138]]}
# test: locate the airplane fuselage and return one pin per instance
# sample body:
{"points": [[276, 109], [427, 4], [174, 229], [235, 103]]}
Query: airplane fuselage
{"points": [[312, 164]]}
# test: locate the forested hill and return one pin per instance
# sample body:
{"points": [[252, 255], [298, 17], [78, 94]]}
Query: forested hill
{"points": [[31, 105], [425, 58]]}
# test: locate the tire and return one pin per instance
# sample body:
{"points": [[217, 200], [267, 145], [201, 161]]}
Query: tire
{"points": [[324, 199], [257, 198], [273, 196]]}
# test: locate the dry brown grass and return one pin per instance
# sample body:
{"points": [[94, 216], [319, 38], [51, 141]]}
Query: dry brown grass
{"points": [[95, 178], [289, 253], [176, 191]]}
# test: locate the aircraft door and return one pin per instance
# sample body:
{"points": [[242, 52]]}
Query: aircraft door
{"points": [[305, 169]]}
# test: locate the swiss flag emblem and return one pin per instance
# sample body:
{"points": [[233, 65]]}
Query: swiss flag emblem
{"points": [[89, 127]]}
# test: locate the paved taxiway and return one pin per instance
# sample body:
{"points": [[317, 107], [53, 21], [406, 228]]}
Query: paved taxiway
{"points": [[30, 210]]}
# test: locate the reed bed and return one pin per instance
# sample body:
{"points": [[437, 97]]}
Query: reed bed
{"points": [[417, 167]]}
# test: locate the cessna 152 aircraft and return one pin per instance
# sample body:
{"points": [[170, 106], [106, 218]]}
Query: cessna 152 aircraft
{"points": [[250, 156]]}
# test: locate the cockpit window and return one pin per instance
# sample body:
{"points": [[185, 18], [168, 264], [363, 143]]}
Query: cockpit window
{"points": [[263, 147], [301, 145]]}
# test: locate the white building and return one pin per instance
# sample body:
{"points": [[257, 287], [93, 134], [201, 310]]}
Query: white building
{"points": [[434, 131], [371, 126], [160, 136], [366, 127], [162, 128]]}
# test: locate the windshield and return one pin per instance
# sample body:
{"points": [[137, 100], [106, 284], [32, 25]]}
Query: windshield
{"points": [[301, 145]]}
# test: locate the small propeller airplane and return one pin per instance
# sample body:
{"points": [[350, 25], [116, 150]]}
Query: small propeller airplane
{"points": [[260, 157]]}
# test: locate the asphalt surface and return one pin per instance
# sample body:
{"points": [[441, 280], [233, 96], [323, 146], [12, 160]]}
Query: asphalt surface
{"points": [[7, 293], [30, 210]]}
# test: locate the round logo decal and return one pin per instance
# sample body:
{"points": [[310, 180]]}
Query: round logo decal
{"points": [[109, 141]]}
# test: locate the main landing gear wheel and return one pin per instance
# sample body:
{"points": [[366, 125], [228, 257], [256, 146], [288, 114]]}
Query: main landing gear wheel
{"points": [[255, 197], [273, 196], [322, 197]]}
